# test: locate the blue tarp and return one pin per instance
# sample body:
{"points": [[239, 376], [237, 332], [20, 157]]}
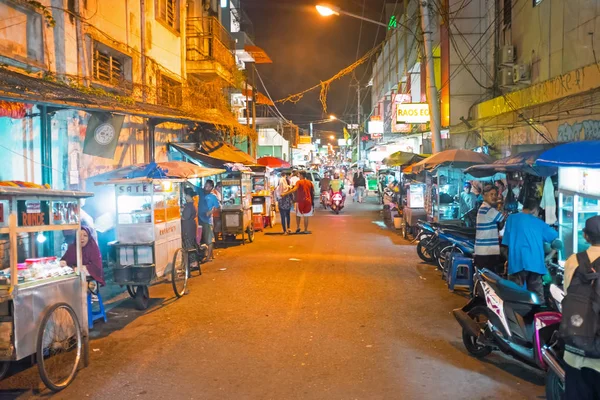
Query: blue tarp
{"points": [[576, 154], [526, 162]]}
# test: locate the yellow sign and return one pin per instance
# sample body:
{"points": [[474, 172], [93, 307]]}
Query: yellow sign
{"points": [[304, 140], [577, 81], [412, 113]]}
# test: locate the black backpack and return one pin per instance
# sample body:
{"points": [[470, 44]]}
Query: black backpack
{"points": [[580, 325]]}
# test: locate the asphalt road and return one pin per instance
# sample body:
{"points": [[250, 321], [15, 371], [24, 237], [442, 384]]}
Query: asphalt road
{"points": [[347, 312]]}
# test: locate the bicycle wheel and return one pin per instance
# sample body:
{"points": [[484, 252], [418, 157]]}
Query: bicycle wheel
{"points": [[59, 345], [179, 273]]}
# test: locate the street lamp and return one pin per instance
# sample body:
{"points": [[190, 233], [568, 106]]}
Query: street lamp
{"points": [[332, 137], [327, 10], [334, 118]]}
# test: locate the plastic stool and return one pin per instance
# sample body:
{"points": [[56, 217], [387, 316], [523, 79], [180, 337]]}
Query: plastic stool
{"points": [[465, 266], [94, 315]]}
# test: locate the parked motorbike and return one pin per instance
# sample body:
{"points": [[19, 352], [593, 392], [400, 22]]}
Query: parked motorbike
{"points": [[504, 316], [325, 199], [454, 240], [337, 202]]}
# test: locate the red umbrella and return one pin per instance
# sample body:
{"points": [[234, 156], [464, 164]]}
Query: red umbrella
{"points": [[273, 162]]}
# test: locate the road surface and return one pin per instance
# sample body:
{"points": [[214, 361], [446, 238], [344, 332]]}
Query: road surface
{"points": [[347, 312]]}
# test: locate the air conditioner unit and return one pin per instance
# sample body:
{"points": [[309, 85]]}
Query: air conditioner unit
{"points": [[507, 55], [506, 77], [521, 73]]}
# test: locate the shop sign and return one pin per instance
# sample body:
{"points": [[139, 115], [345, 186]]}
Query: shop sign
{"points": [[141, 188], [304, 140], [33, 213], [412, 113], [375, 126], [580, 180]]}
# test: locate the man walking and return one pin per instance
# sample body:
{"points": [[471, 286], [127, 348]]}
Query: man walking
{"points": [[487, 242], [207, 204], [305, 200], [525, 235]]}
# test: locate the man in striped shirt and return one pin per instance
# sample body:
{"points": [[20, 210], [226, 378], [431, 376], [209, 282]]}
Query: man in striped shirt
{"points": [[487, 242]]}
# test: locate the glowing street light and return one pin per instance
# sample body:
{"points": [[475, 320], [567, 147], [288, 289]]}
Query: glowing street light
{"points": [[327, 10], [332, 137]]}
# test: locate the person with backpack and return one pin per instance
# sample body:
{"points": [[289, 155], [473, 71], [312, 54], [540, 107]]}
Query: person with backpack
{"points": [[580, 325]]}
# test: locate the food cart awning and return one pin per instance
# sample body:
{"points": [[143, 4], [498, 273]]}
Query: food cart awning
{"points": [[522, 162], [19, 191], [575, 154], [178, 170], [455, 158], [401, 158], [30, 89]]}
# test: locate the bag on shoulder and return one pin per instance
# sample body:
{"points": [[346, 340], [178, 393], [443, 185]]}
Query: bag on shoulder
{"points": [[580, 325]]}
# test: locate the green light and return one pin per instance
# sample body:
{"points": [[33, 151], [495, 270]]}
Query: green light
{"points": [[393, 24]]}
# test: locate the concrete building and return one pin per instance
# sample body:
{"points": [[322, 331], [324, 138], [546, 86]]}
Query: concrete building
{"points": [[162, 64]]}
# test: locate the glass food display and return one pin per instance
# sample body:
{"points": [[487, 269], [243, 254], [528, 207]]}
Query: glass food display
{"points": [[444, 205], [574, 210], [237, 192]]}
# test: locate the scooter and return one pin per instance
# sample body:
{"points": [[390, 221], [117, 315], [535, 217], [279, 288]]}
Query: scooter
{"points": [[337, 202], [504, 316]]}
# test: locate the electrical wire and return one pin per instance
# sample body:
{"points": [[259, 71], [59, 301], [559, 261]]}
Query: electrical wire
{"points": [[269, 95]]}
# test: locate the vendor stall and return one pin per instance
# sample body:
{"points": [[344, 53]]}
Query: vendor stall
{"points": [[37, 293], [578, 190], [444, 181], [262, 197], [236, 194], [148, 227]]}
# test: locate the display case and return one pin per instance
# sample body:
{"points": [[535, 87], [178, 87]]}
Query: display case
{"points": [[236, 195], [36, 227], [415, 196], [148, 229], [445, 188]]}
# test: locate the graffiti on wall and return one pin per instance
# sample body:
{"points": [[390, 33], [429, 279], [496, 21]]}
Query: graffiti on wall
{"points": [[570, 132]]}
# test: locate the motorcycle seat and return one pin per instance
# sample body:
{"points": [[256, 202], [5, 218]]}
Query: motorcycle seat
{"points": [[510, 291], [467, 233]]}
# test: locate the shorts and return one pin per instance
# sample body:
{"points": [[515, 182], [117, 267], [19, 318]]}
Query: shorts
{"points": [[208, 235], [308, 214]]}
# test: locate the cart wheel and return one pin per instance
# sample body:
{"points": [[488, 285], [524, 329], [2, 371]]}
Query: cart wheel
{"points": [[250, 233], [131, 291], [179, 273], [141, 297], [4, 366], [59, 346]]}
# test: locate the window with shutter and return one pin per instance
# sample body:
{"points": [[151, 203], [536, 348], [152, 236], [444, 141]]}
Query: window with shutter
{"points": [[169, 92], [167, 12], [106, 67]]}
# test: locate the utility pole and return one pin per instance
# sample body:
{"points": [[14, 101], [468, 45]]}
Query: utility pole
{"points": [[432, 95], [358, 143]]}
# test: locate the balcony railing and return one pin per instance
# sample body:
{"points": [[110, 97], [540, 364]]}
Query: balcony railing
{"points": [[208, 40]]}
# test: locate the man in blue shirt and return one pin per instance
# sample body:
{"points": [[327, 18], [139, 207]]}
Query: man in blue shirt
{"points": [[207, 204], [525, 235]]}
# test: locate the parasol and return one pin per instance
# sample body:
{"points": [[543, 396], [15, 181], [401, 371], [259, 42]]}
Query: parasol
{"points": [[273, 162], [455, 158], [575, 154], [401, 158]]}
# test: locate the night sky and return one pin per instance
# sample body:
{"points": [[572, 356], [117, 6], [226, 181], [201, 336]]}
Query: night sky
{"points": [[307, 48]]}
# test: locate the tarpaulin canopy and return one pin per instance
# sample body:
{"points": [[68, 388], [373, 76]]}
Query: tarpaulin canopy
{"points": [[455, 158], [273, 162], [522, 162], [161, 170], [576, 154], [401, 158], [211, 154]]}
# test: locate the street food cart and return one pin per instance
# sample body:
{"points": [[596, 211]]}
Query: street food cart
{"points": [[262, 197], [37, 294], [148, 246], [578, 190], [236, 195]]}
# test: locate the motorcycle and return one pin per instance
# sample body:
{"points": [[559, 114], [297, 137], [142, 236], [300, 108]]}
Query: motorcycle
{"points": [[325, 199], [337, 202], [504, 316], [454, 240]]}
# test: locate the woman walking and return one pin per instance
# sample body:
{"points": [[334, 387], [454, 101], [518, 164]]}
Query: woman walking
{"points": [[285, 203]]}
